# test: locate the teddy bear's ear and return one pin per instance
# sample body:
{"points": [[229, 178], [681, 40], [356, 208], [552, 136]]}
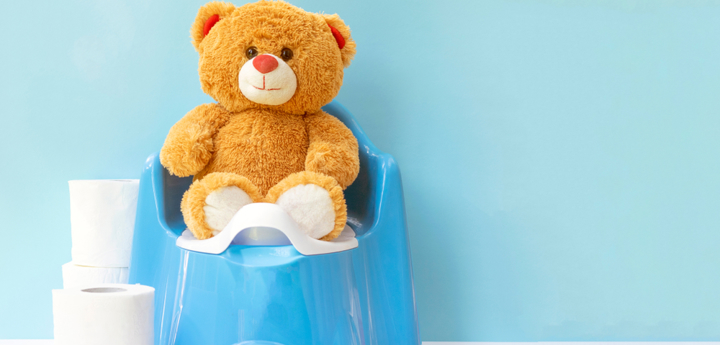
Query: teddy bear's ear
{"points": [[207, 17], [341, 32]]}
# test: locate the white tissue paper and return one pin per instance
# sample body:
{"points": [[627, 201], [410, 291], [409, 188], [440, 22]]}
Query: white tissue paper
{"points": [[75, 276], [107, 314], [102, 217]]}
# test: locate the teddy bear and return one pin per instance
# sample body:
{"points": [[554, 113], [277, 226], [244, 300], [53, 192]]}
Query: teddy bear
{"points": [[270, 66]]}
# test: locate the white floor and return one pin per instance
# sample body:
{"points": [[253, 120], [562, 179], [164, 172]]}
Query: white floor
{"points": [[49, 342]]}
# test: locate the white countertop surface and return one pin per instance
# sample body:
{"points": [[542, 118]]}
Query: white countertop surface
{"points": [[50, 342]]}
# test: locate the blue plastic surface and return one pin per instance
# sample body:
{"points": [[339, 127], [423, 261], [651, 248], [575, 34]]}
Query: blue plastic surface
{"points": [[273, 294]]}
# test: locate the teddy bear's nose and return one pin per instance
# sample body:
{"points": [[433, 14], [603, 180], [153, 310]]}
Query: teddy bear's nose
{"points": [[265, 63]]}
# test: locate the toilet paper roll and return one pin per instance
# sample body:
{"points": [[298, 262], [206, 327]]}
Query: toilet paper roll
{"points": [[108, 314], [102, 216], [75, 276]]}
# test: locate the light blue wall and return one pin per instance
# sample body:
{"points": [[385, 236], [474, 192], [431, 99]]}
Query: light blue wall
{"points": [[561, 159]]}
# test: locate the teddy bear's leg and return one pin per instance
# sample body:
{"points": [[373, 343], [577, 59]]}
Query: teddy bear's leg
{"points": [[314, 201], [212, 201]]}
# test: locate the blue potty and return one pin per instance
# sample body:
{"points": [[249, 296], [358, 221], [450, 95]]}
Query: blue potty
{"points": [[273, 295]]}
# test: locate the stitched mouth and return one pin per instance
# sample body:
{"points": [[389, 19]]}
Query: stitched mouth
{"points": [[263, 87]]}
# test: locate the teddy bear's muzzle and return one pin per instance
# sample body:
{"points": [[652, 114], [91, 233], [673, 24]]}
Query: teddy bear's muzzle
{"points": [[266, 79]]}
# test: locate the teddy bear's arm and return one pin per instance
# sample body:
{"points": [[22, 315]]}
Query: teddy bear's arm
{"points": [[333, 149], [188, 147]]}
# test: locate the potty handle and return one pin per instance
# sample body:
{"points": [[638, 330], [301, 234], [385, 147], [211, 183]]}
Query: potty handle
{"points": [[262, 218]]}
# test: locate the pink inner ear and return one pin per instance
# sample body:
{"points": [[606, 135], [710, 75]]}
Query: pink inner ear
{"points": [[210, 22], [338, 37]]}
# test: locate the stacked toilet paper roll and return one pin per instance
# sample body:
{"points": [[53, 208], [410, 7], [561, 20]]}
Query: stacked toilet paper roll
{"points": [[96, 306], [107, 314], [102, 218]]}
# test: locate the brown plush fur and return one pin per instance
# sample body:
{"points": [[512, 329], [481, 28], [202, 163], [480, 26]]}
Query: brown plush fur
{"points": [[333, 150], [189, 145], [264, 145]]}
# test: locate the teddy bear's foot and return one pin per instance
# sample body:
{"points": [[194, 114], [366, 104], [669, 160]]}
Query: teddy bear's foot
{"points": [[314, 201], [222, 204], [212, 201]]}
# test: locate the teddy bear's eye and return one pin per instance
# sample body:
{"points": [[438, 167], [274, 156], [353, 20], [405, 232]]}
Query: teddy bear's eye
{"points": [[286, 54], [251, 52]]}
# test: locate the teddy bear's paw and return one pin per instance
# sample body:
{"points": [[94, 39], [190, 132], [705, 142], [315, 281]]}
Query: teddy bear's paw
{"points": [[222, 204], [311, 207]]}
